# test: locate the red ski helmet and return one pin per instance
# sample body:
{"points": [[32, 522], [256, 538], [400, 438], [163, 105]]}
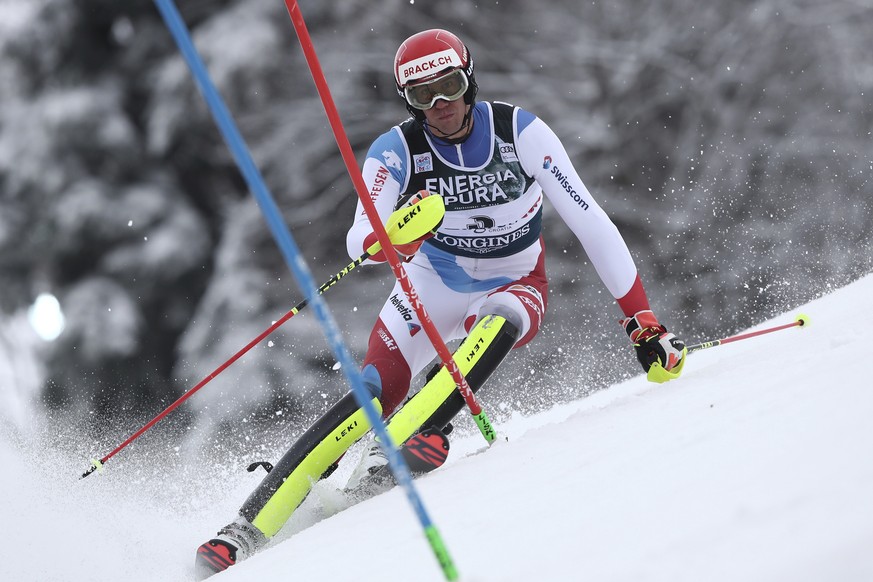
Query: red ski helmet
{"points": [[429, 55]]}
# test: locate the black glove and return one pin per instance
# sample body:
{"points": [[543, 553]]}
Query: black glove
{"points": [[661, 353]]}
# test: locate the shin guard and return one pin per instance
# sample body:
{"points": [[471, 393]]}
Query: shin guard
{"points": [[289, 482], [439, 401]]}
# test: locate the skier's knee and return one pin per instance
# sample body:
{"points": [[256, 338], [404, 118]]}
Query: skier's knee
{"points": [[503, 310], [521, 305]]}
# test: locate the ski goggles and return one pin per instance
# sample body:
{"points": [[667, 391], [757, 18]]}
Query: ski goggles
{"points": [[449, 87]]}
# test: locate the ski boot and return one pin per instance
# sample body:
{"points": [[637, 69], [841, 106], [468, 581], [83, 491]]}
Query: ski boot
{"points": [[423, 452], [234, 543]]}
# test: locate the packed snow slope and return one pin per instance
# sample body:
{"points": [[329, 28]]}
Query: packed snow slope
{"points": [[757, 465]]}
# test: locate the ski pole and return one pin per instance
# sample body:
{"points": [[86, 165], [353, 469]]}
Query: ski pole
{"points": [[348, 156], [800, 321], [405, 225]]}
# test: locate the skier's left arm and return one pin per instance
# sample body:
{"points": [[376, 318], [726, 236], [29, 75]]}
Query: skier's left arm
{"points": [[542, 155], [384, 173]]}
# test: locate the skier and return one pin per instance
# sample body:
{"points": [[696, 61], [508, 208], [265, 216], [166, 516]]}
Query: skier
{"points": [[481, 274]]}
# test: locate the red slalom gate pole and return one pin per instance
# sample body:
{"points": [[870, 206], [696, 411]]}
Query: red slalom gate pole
{"points": [[351, 164], [800, 321]]}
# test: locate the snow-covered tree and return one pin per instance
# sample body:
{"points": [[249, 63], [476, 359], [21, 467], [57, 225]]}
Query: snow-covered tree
{"points": [[730, 141]]}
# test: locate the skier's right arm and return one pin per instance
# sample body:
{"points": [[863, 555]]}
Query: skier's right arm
{"points": [[384, 173]]}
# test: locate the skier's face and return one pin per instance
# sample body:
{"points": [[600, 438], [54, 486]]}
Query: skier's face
{"points": [[447, 117]]}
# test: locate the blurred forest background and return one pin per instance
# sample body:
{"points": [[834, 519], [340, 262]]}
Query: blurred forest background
{"points": [[730, 142]]}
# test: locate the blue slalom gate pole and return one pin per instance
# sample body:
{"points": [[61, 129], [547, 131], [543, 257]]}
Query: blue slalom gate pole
{"points": [[299, 268]]}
